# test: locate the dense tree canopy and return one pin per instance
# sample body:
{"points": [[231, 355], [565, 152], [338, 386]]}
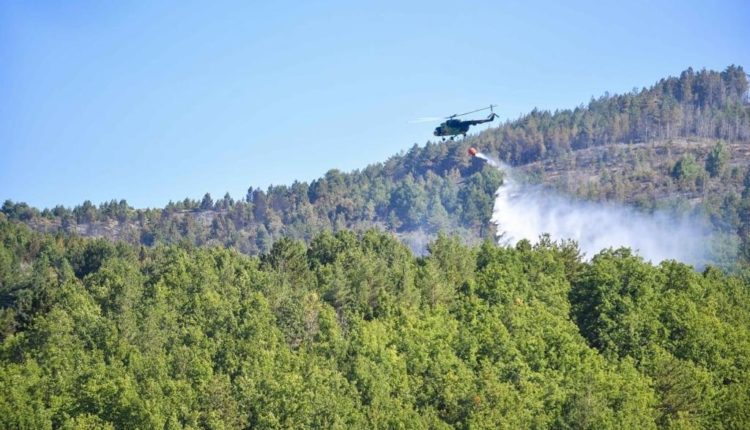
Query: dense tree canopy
{"points": [[354, 331]]}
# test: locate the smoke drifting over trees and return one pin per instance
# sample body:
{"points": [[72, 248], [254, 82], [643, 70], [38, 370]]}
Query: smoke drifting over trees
{"points": [[529, 211]]}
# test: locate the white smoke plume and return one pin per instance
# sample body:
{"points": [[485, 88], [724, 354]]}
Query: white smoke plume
{"points": [[529, 211]]}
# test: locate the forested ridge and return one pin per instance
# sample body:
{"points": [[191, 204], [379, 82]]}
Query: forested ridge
{"points": [[354, 331], [695, 129]]}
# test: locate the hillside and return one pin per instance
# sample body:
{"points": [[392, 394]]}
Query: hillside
{"points": [[650, 175], [650, 147]]}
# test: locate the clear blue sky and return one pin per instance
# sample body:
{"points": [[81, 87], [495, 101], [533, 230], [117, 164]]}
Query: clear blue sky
{"points": [[154, 101]]}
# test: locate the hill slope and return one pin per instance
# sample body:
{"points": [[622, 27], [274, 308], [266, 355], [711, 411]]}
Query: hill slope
{"points": [[641, 147]]}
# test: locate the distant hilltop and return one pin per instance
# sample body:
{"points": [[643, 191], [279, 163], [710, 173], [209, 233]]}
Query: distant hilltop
{"points": [[682, 143]]}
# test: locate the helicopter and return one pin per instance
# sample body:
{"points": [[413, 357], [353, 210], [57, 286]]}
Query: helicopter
{"points": [[453, 127]]}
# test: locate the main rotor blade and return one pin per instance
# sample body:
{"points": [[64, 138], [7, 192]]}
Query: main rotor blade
{"points": [[474, 111]]}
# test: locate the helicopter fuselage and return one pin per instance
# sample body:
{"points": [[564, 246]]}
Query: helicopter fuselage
{"points": [[454, 127]]}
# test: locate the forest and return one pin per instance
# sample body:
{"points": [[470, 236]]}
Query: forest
{"points": [[354, 331], [306, 306], [683, 141]]}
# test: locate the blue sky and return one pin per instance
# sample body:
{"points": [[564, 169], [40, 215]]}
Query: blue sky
{"points": [[156, 101]]}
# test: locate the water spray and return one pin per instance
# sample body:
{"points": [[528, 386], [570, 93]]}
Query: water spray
{"points": [[474, 153], [524, 211]]}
